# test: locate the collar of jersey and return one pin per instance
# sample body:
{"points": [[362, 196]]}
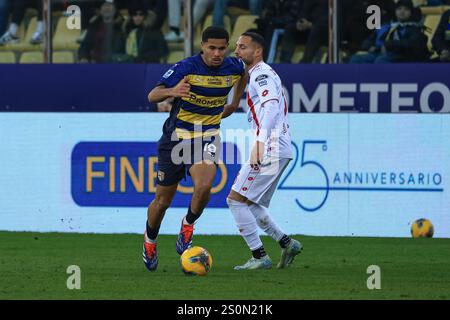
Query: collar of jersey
{"points": [[253, 68]]}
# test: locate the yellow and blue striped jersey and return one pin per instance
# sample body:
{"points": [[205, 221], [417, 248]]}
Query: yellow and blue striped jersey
{"points": [[201, 113]]}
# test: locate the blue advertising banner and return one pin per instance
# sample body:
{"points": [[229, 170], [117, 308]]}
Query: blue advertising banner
{"points": [[123, 174], [310, 88]]}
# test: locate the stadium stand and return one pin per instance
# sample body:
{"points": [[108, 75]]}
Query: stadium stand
{"points": [[7, 57], [242, 24], [207, 23], [431, 22], [63, 38], [32, 57], [237, 21], [24, 44], [20, 33], [63, 57], [175, 56]]}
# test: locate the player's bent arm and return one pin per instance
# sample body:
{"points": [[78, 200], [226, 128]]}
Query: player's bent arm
{"points": [[159, 93], [238, 92], [268, 120]]}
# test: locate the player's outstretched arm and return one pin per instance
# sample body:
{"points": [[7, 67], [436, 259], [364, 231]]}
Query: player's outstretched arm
{"points": [[161, 93], [238, 92]]}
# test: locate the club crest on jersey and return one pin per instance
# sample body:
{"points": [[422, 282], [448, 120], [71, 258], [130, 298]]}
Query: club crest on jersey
{"points": [[211, 149]]}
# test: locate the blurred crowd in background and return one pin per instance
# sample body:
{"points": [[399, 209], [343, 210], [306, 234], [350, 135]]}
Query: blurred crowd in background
{"points": [[296, 31]]}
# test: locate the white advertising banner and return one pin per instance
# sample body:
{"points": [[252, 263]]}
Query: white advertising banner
{"points": [[352, 174]]}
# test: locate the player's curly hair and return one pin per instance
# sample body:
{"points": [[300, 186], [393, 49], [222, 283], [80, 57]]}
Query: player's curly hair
{"points": [[213, 32]]}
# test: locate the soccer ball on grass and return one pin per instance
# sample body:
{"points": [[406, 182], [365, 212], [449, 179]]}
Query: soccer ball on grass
{"points": [[196, 261], [422, 228]]}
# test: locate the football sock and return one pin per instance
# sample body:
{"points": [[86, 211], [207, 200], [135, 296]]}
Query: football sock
{"points": [[284, 241], [265, 222], [152, 233], [246, 223], [191, 217], [259, 253], [40, 27], [13, 29]]}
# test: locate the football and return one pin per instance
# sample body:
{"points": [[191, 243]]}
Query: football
{"points": [[422, 228], [196, 261]]}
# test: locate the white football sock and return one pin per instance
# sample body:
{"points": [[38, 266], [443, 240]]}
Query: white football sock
{"points": [[246, 223], [265, 222], [40, 27], [13, 29]]}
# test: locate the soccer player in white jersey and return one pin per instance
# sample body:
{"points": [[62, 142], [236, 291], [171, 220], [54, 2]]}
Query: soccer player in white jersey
{"points": [[257, 180]]}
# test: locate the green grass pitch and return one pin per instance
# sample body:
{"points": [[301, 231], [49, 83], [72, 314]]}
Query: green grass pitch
{"points": [[33, 266]]}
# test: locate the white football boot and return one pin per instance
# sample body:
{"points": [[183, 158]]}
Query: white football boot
{"points": [[287, 254], [263, 263]]}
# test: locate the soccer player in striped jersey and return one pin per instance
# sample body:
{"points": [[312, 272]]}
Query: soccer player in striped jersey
{"points": [[257, 180], [190, 143]]}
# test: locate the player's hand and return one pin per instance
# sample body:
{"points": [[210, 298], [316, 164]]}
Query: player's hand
{"points": [[257, 154], [182, 89]]}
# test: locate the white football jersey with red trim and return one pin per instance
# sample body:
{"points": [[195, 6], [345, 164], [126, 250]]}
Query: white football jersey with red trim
{"points": [[265, 85]]}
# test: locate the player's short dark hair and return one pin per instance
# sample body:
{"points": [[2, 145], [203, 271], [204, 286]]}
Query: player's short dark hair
{"points": [[256, 38], [213, 32]]}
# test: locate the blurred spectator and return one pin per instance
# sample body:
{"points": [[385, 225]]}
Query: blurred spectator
{"points": [[201, 7], [104, 36], [145, 42], [310, 27], [4, 14], [354, 22], [198, 12], [156, 11], [220, 9], [400, 41], [89, 11], [18, 8], [165, 106], [277, 14], [441, 38], [157, 8]]}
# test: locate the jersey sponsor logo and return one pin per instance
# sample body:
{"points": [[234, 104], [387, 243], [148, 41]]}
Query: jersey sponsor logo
{"points": [[168, 73], [261, 77], [206, 101], [214, 81], [206, 81], [262, 83], [125, 174], [265, 93]]}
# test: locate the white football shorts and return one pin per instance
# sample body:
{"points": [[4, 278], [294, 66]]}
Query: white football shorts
{"points": [[259, 184]]}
